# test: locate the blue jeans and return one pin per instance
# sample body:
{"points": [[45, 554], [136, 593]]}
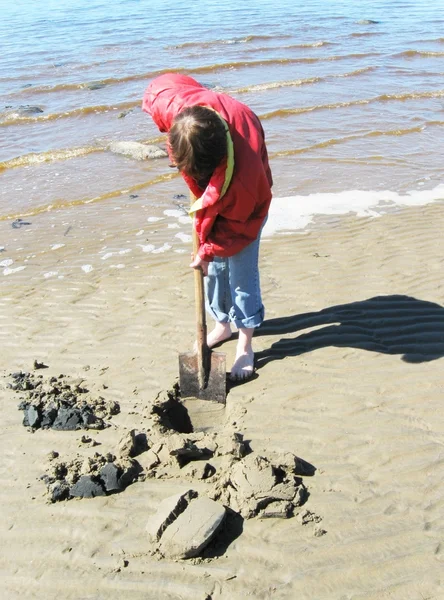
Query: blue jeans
{"points": [[232, 286]]}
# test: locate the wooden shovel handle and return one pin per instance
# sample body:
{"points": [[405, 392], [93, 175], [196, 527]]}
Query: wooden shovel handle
{"points": [[199, 295]]}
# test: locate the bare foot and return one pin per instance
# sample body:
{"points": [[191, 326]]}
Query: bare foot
{"points": [[220, 333], [243, 366]]}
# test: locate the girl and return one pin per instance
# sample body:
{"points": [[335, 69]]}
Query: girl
{"points": [[218, 145]]}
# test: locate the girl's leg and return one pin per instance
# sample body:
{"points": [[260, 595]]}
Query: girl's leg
{"points": [[247, 310], [218, 300]]}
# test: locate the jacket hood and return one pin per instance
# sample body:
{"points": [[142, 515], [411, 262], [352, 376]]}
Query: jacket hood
{"points": [[161, 100]]}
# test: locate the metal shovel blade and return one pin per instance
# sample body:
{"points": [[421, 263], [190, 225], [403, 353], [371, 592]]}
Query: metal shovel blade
{"points": [[214, 387]]}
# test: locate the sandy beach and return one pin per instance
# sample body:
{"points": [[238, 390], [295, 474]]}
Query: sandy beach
{"points": [[349, 378]]}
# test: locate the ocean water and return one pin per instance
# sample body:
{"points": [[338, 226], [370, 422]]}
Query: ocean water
{"points": [[350, 94]]}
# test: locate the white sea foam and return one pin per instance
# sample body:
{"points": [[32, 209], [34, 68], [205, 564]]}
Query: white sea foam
{"points": [[183, 237], [6, 263], [50, 274], [147, 247], [87, 268], [118, 252], [57, 246], [294, 213], [9, 271], [154, 219], [162, 249], [173, 212]]}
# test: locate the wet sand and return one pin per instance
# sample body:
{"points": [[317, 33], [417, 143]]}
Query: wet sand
{"points": [[349, 378]]}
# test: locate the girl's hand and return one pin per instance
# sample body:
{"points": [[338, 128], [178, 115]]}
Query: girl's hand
{"points": [[198, 263]]}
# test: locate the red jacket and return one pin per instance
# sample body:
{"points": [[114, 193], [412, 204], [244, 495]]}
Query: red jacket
{"points": [[227, 221]]}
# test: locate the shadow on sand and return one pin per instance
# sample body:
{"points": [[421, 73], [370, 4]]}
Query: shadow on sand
{"points": [[387, 324]]}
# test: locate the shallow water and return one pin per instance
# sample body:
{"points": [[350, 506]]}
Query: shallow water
{"points": [[350, 95]]}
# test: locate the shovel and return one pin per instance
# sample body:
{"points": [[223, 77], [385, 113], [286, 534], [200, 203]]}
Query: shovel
{"points": [[202, 374]]}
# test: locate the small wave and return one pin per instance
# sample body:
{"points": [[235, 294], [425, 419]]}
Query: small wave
{"points": [[36, 158], [272, 85], [98, 84], [348, 138], [397, 132], [85, 110], [412, 53], [318, 44], [66, 204], [355, 73], [283, 112], [229, 41], [410, 95], [262, 49], [360, 34]]}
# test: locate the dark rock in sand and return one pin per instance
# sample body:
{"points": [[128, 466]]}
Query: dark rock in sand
{"points": [[39, 365], [86, 487], [31, 416], [21, 111], [59, 491], [109, 474], [124, 113], [68, 419], [19, 223], [95, 85], [22, 381], [49, 415]]}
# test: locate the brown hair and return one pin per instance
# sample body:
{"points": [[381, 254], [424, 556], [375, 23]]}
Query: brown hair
{"points": [[198, 142]]}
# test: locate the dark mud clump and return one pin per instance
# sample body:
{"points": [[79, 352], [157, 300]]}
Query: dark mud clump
{"points": [[60, 403], [100, 475]]}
